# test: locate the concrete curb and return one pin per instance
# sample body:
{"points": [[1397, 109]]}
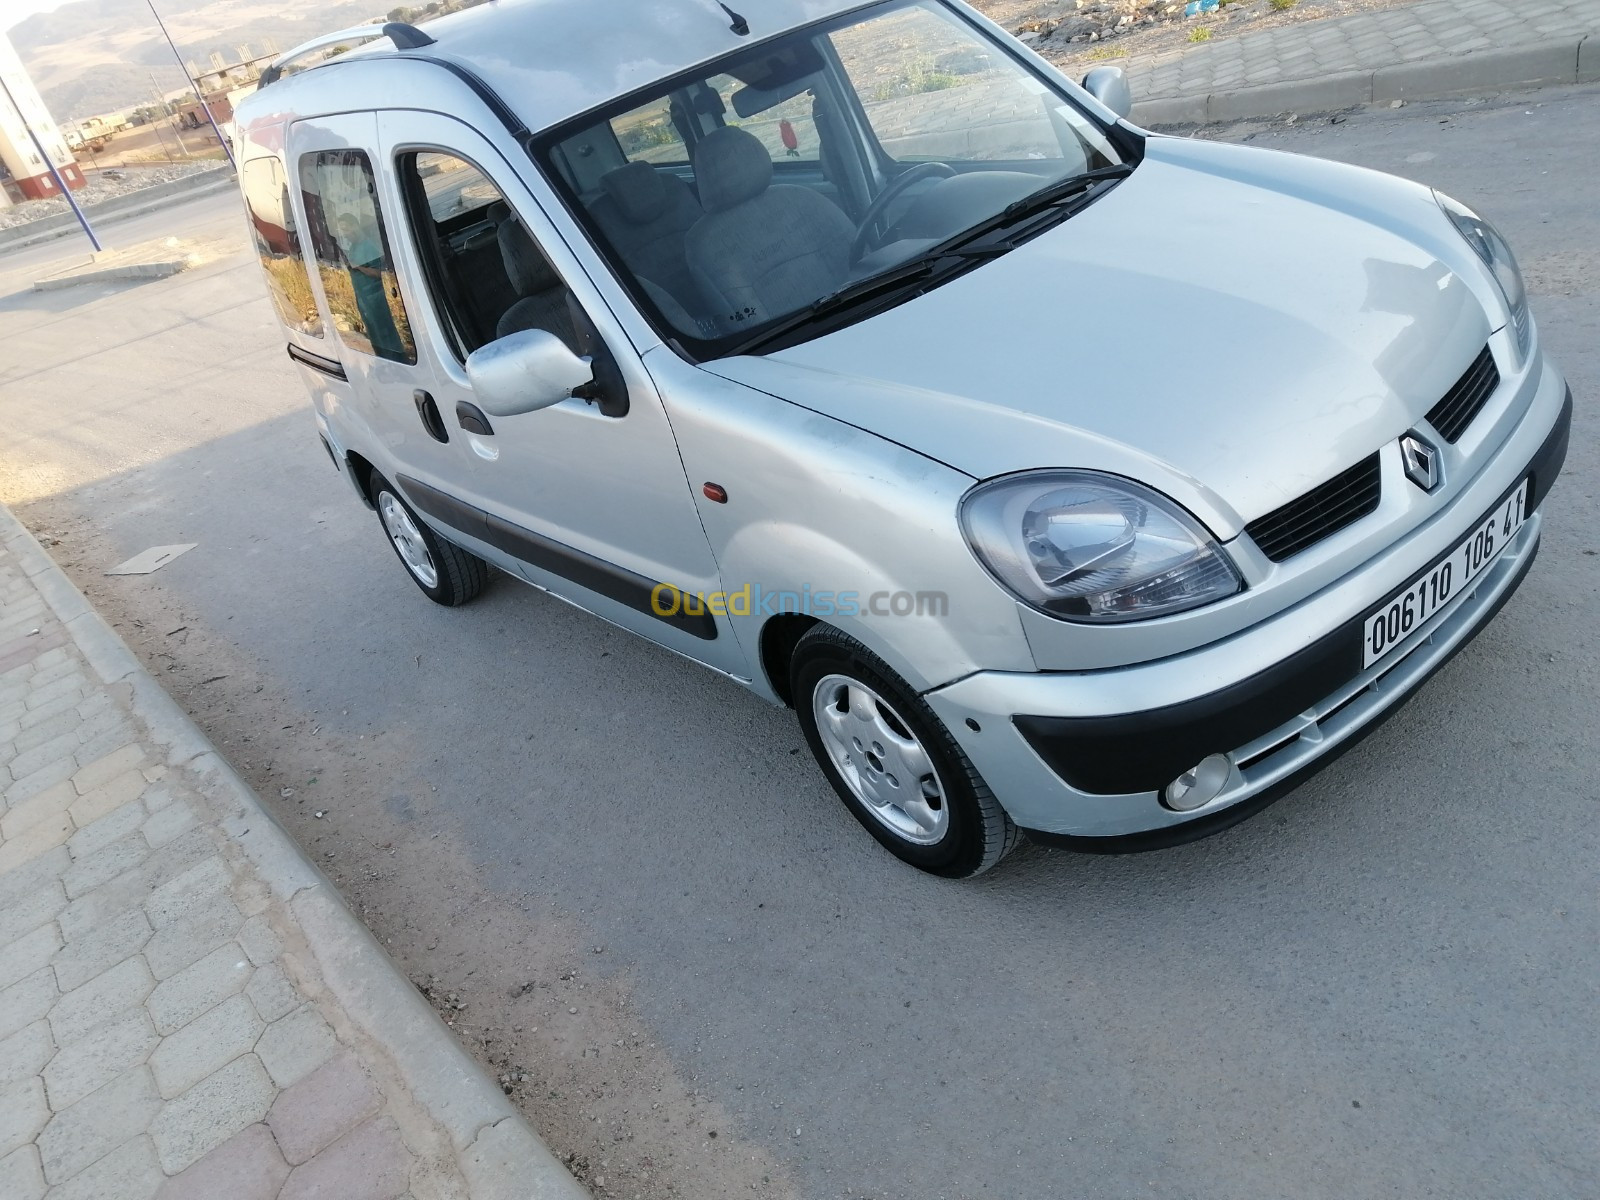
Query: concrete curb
{"points": [[126, 271], [1574, 58], [134, 204], [500, 1156]]}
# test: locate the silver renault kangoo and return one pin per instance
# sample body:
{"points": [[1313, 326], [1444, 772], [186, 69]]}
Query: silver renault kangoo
{"points": [[1064, 478]]}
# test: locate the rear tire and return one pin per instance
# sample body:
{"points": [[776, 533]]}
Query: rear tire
{"points": [[892, 761], [446, 573]]}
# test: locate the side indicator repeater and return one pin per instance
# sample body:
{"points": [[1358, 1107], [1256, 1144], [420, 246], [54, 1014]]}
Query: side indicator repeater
{"points": [[715, 491]]}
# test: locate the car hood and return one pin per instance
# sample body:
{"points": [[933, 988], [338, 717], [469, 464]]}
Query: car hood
{"points": [[1232, 326]]}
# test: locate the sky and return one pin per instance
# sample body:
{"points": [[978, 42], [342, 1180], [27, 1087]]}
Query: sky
{"points": [[12, 11]]}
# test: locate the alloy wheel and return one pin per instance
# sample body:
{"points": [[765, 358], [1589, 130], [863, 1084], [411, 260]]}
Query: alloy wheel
{"points": [[883, 763], [407, 539]]}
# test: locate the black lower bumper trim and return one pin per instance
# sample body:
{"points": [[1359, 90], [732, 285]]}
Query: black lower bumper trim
{"points": [[1201, 827], [1546, 465], [1144, 751]]}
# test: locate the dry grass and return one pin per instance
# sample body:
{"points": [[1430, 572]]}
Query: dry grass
{"points": [[291, 292], [346, 313]]}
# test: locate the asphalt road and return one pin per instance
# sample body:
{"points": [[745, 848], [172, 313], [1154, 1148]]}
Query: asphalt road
{"points": [[1386, 985]]}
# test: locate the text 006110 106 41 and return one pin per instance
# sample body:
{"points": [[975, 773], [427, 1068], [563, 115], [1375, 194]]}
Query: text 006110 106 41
{"points": [[1417, 603]]}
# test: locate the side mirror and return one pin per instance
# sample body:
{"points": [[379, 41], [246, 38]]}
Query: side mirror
{"points": [[525, 371], [1110, 86]]}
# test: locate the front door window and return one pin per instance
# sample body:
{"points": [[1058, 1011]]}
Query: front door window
{"points": [[488, 275]]}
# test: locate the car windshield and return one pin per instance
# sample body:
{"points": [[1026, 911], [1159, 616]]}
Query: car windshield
{"points": [[802, 183]]}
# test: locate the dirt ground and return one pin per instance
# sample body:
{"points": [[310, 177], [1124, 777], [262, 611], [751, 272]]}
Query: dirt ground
{"points": [[159, 142]]}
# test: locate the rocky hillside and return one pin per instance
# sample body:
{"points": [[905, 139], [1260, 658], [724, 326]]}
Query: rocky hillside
{"points": [[93, 56]]}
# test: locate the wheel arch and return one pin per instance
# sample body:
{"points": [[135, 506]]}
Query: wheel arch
{"points": [[361, 472], [779, 637]]}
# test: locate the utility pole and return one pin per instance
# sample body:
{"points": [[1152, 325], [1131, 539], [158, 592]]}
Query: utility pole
{"points": [[51, 164], [166, 114], [157, 115], [198, 94]]}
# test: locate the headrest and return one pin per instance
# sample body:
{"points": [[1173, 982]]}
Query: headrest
{"points": [[526, 266], [639, 190], [731, 166]]}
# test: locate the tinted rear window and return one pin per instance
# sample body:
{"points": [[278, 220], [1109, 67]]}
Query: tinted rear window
{"points": [[266, 193]]}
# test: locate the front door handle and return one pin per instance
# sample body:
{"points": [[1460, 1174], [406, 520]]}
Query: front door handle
{"points": [[428, 411], [471, 418]]}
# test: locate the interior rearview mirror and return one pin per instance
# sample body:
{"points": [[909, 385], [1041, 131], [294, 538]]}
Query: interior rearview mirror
{"points": [[1110, 86], [524, 371]]}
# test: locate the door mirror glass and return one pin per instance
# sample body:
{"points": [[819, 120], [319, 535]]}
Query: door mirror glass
{"points": [[1110, 86], [524, 371]]}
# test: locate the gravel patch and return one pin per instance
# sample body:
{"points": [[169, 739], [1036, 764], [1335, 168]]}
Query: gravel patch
{"points": [[103, 185]]}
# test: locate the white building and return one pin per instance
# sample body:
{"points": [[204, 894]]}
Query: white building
{"points": [[23, 173]]}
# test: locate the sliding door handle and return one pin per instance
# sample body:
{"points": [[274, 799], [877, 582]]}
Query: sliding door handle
{"points": [[428, 411]]}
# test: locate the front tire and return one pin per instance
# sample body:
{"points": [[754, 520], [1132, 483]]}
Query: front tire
{"points": [[446, 573], [892, 761]]}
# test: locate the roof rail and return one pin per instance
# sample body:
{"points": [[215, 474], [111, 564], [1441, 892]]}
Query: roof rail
{"points": [[404, 37]]}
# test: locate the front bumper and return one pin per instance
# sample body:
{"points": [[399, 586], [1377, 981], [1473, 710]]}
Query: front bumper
{"points": [[1072, 764]]}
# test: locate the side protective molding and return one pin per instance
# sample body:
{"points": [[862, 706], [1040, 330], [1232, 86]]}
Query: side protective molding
{"points": [[596, 574]]}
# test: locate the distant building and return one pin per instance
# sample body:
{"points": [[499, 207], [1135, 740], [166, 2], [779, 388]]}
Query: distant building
{"points": [[223, 84], [23, 173], [224, 76], [191, 115]]}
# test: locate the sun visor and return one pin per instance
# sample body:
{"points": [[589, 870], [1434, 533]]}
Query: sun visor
{"points": [[775, 76], [748, 101]]}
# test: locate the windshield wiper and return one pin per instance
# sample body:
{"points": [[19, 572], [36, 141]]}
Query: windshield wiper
{"points": [[939, 263], [909, 276], [1060, 200]]}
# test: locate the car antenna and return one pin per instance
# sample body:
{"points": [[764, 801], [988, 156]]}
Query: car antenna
{"points": [[740, 25]]}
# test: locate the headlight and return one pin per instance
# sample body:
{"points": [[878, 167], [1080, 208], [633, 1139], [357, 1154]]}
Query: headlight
{"points": [[1485, 239], [1090, 547]]}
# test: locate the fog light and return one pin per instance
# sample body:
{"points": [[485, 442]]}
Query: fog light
{"points": [[1199, 785]]}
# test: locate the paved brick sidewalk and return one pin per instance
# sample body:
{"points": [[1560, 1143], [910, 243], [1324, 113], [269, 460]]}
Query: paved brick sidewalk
{"points": [[1389, 40], [168, 1025]]}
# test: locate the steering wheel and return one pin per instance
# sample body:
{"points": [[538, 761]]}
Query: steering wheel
{"points": [[875, 210]]}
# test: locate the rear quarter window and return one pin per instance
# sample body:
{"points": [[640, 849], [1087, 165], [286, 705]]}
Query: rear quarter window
{"points": [[266, 195], [650, 134]]}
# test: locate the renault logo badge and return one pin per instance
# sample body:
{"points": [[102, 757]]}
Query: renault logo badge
{"points": [[1421, 461]]}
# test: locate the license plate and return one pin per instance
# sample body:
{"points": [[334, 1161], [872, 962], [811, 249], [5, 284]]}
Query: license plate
{"points": [[1414, 605]]}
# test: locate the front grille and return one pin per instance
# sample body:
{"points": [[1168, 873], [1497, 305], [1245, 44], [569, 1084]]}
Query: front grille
{"points": [[1321, 512], [1466, 398]]}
